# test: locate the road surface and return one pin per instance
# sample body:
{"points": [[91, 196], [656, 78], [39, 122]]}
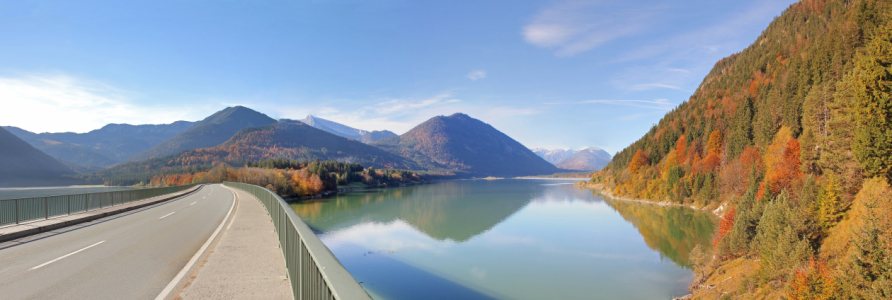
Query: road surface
{"points": [[133, 255]]}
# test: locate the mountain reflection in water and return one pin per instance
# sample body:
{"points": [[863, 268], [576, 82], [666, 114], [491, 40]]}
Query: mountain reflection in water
{"points": [[507, 239]]}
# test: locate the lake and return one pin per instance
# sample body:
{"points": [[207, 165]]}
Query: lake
{"points": [[13, 193], [508, 239]]}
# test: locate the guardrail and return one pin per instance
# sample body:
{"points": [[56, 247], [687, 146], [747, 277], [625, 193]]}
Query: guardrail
{"points": [[314, 272], [34, 208]]}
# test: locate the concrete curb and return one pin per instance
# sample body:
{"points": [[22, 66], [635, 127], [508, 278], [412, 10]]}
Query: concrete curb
{"points": [[48, 227]]}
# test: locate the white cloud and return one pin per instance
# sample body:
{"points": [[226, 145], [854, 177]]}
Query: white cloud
{"points": [[576, 26], [57, 103], [650, 86], [658, 104], [477, 74]]}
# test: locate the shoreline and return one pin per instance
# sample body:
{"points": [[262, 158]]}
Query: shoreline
{"points": [[336, 191], [600, 188]]}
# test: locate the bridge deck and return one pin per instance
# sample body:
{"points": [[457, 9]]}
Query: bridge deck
{"points": [[246, 263]]}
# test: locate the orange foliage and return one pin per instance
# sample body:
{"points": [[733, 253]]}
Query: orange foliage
{"points": [[725, 225], [681, 149], [815, 282], [640, 159], [714, 145], [786, 171], [735, 176]]}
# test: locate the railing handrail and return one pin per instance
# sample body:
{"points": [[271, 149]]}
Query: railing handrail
{"points": [[338, 283], [43, 207]]}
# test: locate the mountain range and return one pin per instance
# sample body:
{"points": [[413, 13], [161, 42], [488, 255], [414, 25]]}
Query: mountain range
{"points": [[102, 147], [554, 156], [456, 144], [588, 159]]}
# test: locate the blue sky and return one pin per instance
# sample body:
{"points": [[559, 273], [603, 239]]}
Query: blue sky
{"points": [[551, 74]]}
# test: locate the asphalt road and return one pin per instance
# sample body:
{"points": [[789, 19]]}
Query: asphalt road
{"points": [[133, 255]]}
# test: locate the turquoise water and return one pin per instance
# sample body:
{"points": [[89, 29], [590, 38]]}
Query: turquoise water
{"points": [[508, 239], [12, 193]]}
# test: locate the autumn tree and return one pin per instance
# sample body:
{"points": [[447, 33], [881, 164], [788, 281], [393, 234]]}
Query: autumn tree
{"points": [[868, 273], [681, 149], [814, 282], [714, 145], [787, 170], [640, 160], [725, 225]]}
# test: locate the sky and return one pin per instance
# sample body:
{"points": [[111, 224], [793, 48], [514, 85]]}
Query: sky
{"points": [[551, 74]]}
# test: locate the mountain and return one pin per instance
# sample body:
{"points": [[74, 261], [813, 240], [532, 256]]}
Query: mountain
{"points": [[101, 147], [554, 156], [374, 136], [461, 143], [335, 128], [23, 165], [73, 153], [588, 159], [790, 142], [284, 139], [210, 132]]}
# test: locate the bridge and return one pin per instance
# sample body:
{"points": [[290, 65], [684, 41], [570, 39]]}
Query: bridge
{"points": [[203, 241]]}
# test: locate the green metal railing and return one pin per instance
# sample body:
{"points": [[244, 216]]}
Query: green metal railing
{"points": [[313, 270], [15, 211]]}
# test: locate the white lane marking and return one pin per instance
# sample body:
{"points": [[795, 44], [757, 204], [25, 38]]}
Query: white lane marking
{"points": [[66, 255], [193, 203], [165, 216], [192, 261]]}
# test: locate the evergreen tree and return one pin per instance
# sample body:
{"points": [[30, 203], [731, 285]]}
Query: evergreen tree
{"points": [[831, 210], [872, 82], [741, 129]]}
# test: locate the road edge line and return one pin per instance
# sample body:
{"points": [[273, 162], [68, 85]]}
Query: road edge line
{"points": [[195, 257]]}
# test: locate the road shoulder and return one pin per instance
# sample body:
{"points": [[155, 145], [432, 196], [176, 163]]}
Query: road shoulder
{"points": [[245, 263]]}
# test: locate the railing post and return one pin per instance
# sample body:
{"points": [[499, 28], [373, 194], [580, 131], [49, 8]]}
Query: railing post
{"points": [[46, 208], [16, 211]]}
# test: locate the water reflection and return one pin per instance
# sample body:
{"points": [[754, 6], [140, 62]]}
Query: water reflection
{"points": [[672, 230], [443, 211], [507, 239]]}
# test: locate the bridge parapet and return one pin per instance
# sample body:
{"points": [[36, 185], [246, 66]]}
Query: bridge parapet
{"points": [[15, 211], [314, 272]]}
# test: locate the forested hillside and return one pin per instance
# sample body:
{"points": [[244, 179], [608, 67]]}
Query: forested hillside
{"points": [[210, 132], [792, 139], [285, 139]]}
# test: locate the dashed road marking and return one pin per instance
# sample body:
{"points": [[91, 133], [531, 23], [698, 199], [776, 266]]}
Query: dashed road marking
{"points": [[67, 255]]}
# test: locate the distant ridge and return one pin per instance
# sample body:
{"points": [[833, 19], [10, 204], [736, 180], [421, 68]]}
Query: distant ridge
{"points": [[374, 136], [334, 127], [588, 159], [554, 156], [210, 132], [461, 143], [101, 147], [24, 165]]}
